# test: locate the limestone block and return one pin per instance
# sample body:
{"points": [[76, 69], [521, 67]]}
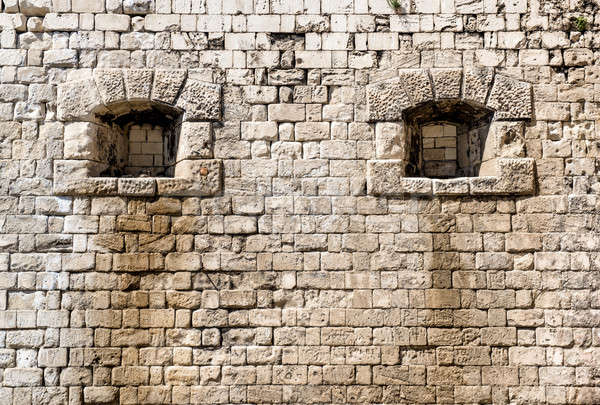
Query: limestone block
{"points": [[61, 22], [100, 395], [476, 84], [195, 141], [287, 112], [162, 22], [458, 186], [417, 85], [70, 169], [16, 21], [77, 100], [23, 377], [81, 141], [260, 94], [510, 98], [504, 176], [193, 177], [446, 83], [505, 139], [137, 187], [110, 85], [138, 7], [167, 84], [386, 101], [265, 131], [138, 83], [201, 101], [35, 7], [384, 177], [311, 131], [390, 140]]}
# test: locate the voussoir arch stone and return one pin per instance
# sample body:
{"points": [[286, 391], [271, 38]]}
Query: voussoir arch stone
{"points": [[85, 99], [508, 97]]}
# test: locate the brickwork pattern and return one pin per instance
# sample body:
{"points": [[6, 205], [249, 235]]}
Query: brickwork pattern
{"points": [[284, 278]]}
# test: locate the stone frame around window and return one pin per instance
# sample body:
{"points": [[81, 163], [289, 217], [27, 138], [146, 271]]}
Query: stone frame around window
{"points": [[507, 172], [87, 103]]}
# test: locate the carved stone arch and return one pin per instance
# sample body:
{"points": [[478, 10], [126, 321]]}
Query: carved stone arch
{"points": [[504, 171], [91, 106]]}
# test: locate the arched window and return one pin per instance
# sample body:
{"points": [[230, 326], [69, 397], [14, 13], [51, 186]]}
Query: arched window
{"points": [[449, 132], [138, 132], [446, 139]]}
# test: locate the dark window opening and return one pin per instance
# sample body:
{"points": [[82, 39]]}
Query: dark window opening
{"points": [[446, 139], [141, 142]]}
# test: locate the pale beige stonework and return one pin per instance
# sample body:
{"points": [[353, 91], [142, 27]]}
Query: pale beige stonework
{"points": [[299, 201]]}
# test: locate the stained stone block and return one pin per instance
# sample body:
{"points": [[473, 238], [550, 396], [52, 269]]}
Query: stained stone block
{"points": [[35, 7], [110, 85], [476, 84], [446, 82], [76, 100], [386, 101], [417, 85], [201, 101], [167, 84], [510, 98], [138, 83], [195, 141], [384, 177], [138, 6]]}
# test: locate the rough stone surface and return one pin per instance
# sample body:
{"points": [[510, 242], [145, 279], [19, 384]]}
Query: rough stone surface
{"points": [[337, 202]]}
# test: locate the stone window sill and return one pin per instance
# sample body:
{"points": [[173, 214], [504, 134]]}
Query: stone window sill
{"points": [[514, 177]]}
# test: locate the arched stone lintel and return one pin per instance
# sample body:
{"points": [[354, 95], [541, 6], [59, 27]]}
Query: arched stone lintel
{"points": [[511, 99], [512, 177], [85, 99]]}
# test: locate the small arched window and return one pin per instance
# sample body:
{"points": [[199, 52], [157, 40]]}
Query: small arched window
{"points": [[447, 139]]}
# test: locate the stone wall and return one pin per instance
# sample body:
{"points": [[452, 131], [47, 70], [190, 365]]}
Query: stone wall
{"points": [[293, 254]]}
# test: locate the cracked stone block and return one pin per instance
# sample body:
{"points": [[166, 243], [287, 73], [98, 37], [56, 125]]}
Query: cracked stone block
{"points": [[167, 84], [138, 83], [417, 85], [77, 100], [476, 84], [510, 98], [390, 140], [450, 187], [110, 85], [81, 141], [384, 177], [386, 101], [137, 187], [200, 101], [195, 141], [446, 82]]}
